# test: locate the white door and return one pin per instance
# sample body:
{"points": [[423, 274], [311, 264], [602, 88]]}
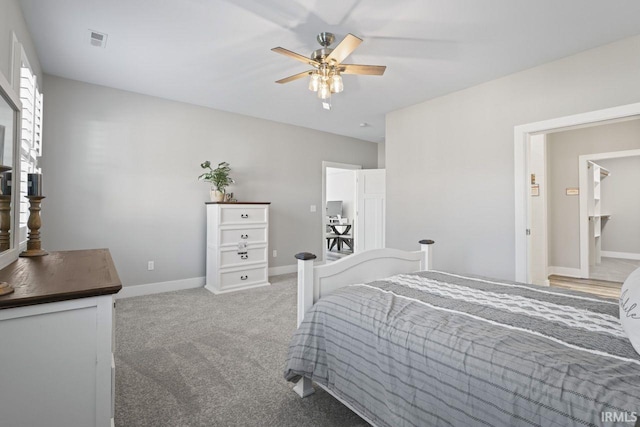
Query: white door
{"points": [[369, 227]]}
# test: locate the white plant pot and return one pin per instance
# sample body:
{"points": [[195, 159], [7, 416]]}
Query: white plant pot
{"points": [[217, 196]]}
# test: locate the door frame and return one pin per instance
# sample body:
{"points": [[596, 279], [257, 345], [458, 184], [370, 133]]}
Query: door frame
{"points": [[538, 154], [325, 165], [522, 170]]}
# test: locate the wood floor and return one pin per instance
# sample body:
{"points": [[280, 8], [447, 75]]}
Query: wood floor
{"points": [[605, 278], [613, 269], [336, 255], [601, 288]]}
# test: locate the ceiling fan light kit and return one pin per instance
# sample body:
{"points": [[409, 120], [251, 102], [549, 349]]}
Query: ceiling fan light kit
{"points": [[326, 78]]}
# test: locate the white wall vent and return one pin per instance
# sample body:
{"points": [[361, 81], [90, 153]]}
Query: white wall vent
{"points": [[98, 39]]}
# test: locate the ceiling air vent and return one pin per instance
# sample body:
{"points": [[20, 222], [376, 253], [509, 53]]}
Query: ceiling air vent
{"points": [[98, 39]]}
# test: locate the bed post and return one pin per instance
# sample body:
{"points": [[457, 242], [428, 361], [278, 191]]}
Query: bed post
{"points": [[305, 283], [427, 258], [305, 300]]}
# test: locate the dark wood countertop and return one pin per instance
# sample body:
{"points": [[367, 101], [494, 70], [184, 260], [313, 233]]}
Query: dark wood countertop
{"points": [[60, 276]]}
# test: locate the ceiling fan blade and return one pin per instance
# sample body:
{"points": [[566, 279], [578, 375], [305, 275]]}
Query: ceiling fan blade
{"points": [[296, 56], [371, 70], [344, 48], [294, 77]]}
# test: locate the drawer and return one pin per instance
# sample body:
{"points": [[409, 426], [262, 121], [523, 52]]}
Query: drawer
{"points": [[243, 214], [249, 235], [244, 277], [233, 258]]}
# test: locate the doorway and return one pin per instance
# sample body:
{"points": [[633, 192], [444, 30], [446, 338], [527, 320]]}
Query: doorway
{"points": [[573, 235], [609, 215], [354, 203], [338, 209], [525, 184]]}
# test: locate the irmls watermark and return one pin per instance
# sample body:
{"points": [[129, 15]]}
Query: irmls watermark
{"points": [[619, 417]]}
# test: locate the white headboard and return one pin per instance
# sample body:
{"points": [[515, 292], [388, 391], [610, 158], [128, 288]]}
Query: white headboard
{"points": [[315, 282]]}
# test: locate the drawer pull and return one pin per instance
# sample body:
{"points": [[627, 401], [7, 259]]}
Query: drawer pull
{"points": [[244, 256], [244, 236], [245, 277], [244, 216]]}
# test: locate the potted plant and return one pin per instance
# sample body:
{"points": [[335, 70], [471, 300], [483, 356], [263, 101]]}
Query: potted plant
{"points": [[219, 179]]}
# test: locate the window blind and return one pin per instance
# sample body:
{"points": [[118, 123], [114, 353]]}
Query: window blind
{"points": [[31, 139]]}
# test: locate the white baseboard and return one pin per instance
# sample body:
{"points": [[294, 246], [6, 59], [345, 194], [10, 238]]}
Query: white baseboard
{"points": [[157, 288], [283, 269], [541, 282], [239, 288], [177, 285], [565, 271], [623, 255]]}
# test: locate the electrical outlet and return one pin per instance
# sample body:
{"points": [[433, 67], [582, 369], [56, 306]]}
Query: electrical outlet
{"points": [[312, 208], [151, 265], [275, 253]]}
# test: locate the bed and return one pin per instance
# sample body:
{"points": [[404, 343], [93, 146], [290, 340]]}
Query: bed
{"points": [[422, 347]]}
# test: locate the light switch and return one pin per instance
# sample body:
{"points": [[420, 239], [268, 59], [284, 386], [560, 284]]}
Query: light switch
{"points": [[313, 208]]}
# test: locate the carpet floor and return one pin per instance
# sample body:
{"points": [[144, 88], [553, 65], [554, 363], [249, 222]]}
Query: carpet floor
{"points": [[190, 358]]}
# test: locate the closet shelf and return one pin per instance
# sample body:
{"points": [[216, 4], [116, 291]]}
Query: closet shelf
{"points": [[603, 216], [603, 172]]}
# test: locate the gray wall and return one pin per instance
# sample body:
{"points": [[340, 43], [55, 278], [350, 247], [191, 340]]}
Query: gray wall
{"points": [[563, 149], [120, 172], [11, 19], [450, 164], [621, 198], [381, 147]]}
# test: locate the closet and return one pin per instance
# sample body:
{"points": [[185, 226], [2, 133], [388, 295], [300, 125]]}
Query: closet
{"points": [[598, 216]]}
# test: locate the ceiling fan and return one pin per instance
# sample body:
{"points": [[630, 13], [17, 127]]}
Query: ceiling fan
{"points": [[327, 66]]}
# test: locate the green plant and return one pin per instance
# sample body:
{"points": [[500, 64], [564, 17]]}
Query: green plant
{"points": [[218, 177]]}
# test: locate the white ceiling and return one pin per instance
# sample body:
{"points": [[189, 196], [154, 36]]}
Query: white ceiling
{"points": [[216, 53]]}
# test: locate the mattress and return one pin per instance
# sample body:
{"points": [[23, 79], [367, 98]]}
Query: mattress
{"points": [[439, 349]]}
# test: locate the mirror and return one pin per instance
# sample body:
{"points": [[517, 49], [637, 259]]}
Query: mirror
{"points": [[9, 111]]}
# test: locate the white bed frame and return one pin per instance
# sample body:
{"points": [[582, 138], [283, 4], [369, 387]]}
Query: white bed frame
{"points": [[315, 282]]}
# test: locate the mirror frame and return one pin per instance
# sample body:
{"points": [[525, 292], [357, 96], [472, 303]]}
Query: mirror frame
{"points": [[8, 94]]}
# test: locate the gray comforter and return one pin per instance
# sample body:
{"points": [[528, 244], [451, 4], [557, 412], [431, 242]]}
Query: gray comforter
{"points": [[436, 349]]}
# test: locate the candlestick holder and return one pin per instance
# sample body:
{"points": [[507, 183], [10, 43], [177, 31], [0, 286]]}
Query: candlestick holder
{"points": [[5, 222], [34, 244], [5, 235], [5, 288]]}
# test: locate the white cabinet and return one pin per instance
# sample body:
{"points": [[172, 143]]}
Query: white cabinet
{"points": [[57, 364], [237, 245], [56, 353]]}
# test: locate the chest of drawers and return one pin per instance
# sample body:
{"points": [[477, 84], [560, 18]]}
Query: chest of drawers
{"points": [[56, 357], [237, 246]]}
